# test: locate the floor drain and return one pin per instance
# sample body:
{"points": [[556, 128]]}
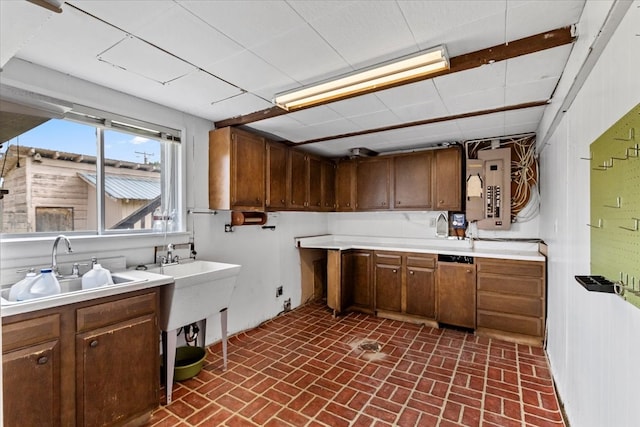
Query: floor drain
{"points": [[370, 346]]}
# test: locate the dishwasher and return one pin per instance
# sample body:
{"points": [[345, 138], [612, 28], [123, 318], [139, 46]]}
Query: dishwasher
{"points": [[456, 291]]}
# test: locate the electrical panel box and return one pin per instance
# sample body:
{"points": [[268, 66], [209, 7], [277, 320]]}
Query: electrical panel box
{"points": [[489, 189]]}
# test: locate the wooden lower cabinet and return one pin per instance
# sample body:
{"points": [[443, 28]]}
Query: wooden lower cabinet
{"points": [[84, 364], [511, 299], [31, 372], [356, 280], [456, 294], [405, 285]]}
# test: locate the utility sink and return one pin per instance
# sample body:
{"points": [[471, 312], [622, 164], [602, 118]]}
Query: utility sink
{"points": [[201, 288]]}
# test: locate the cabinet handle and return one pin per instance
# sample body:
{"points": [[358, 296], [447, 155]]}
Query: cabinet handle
{"points": [[398, 203], [441, 202], [395, 271], [93, 344], [411, 272], [468, 271], [42, 360], [282, 201], [348, 204]]}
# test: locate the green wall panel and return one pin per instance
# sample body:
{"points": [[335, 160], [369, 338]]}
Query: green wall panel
{"points": [[615, 202]]}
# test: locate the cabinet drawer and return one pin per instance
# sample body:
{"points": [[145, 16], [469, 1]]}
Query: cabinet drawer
{"points": [[388, 258], [514, 285], [509, 304], [29, 332], [419, 260], [509, 323], [108, 313], [511, 268]]}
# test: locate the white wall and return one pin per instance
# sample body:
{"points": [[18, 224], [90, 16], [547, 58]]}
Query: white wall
{"points": [[593, 339], [269, 258]]}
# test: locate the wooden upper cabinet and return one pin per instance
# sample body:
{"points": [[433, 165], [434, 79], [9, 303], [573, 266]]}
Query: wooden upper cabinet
{"points": [[298, 180], [276, 175], [373, 183], [328, 185], [448, 179], [236, 170], [412, 181], [315, 183], [345, 186]]}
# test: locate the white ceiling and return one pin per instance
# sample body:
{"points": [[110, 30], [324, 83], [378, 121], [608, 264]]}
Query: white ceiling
{"points": [[221, 59]]}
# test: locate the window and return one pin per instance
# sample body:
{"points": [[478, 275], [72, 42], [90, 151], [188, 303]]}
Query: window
{"points": [[89, 174]]}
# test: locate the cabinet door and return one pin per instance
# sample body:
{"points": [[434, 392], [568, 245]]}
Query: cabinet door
{"points": [[421, 292], [31, 372], [412, 181], [31, 385], [328, 186], [315, 184], [276, 175], [117, 372], [373, 184], [456, 294], [345, 186], [247, 171], [356, 279], [388, 282], [448, 179], [298, 180]]}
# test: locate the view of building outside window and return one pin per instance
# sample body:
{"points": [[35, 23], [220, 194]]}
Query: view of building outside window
{"points": [[51, 174]]}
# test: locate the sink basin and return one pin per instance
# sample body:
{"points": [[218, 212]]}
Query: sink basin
{"points": [[200, 289], [67, 286]]}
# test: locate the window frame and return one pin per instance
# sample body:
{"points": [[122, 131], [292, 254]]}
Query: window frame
{"points": [[172, 150]]}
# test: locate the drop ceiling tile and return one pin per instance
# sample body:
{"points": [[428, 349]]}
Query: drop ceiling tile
{"points": [[56, 46], [315, 115], [302, 55], [528, 115], [424, 111], [19, 22], [251, 73], [199, 87], [358, 106], [474, 80], [414, 93], [236, 106], [127, 15], [140, 58], [540, 90], [476, 101], [180, 32], [537, 66], [278, 126], [525, 18], [488, 125], [327, 129], [247, 22], [434, 23], [376, 120], [354, 32]]}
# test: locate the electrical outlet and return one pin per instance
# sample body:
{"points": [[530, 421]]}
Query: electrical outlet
{"points": [[287, 304], [228, 228], [278, 291]]}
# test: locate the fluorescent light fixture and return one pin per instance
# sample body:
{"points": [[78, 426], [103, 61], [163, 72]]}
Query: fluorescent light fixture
{"points": [[379, 77]]}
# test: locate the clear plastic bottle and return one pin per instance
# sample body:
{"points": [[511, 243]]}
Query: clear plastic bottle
{"points": [[158, 223]]}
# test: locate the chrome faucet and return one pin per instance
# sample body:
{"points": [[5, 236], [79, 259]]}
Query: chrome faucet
{"points": [[54, 253], [170, 249]]}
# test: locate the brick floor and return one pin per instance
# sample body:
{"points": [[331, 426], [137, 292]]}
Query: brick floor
{"points": [[305, 368]]}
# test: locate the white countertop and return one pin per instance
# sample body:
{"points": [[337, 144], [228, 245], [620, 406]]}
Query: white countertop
{"points": [[523, 251], [140, 280]]}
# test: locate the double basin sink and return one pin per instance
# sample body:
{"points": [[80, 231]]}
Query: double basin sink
{"points": [[194, 290]]}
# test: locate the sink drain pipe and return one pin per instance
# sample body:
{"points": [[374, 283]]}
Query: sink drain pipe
{"points": [[191, 333]]}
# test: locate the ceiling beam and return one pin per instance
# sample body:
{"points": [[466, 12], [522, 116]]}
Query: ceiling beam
{"points": [[425, 122], [512, 49]]}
